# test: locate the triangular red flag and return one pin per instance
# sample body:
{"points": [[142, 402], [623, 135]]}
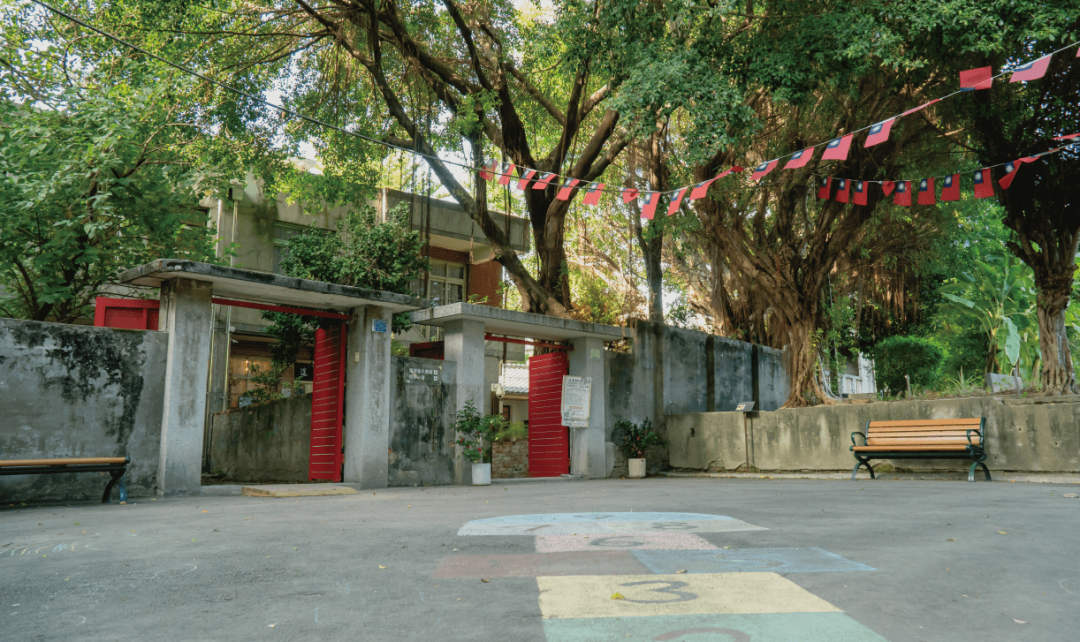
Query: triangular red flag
{"points": [[629, 194], [676, 201], [879, 132], [837, 149], [800, 158], [823, 191], [651, 201], [543, 180], [592, 195], [860, 192], [950, 188], [487, 170], [1032, 70], [701, 189], [763, 169], [920, 107], [1010, 173], [506, 172], [888, 187], [525, 178], [566, 189], [842, 190], [903, 193], [926, 191], [1068, 137], [981, 78], [983, 187]]}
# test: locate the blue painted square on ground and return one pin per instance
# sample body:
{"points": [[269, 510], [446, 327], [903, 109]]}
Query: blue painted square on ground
{"points": [[748, 560], [758, 627]]}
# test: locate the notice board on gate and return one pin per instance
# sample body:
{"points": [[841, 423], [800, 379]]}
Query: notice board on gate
{"points": [[576, 392]]}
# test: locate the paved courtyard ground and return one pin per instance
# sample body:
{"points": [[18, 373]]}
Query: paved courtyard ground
{"points": [[657, 559]]}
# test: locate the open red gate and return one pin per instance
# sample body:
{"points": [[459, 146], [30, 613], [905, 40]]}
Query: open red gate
{"points": [[549, 440], [327, 402]]}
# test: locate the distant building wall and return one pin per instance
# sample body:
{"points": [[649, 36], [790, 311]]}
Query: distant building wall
{"points": [[79, 391]]}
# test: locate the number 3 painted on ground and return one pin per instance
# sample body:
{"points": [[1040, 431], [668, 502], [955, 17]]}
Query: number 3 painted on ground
{"points": [[681, 596]]}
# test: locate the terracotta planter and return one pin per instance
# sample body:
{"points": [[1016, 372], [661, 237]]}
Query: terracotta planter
{"points": [[637, 467]]}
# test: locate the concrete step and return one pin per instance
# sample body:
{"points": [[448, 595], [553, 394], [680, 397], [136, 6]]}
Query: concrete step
{"points": [[296, 490]]}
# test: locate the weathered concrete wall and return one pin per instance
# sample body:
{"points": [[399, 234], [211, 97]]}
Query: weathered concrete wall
{"points": [[685, 370], [266, 443], [1022, 435], [79, 391], [771, 381], [732, 373], [421, 420]]}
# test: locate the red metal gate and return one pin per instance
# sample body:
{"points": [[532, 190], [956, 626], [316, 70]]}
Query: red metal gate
{"points": [[327, 398], [130, 314], [549, 440]]}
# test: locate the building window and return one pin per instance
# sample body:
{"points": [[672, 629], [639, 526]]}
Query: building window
{"points": [[283, 232], [446, 282]]}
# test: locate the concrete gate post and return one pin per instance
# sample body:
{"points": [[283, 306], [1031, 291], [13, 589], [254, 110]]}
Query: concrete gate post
{"points": [[185, 315], [464, 346], [367, 396], [587, 454]]}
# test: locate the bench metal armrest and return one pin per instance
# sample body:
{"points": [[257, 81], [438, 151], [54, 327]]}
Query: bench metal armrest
{"points": [[982, 439], [853, 443]]}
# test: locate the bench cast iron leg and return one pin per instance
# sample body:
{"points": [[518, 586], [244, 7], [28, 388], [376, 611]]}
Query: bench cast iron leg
{"points": [[855, 471], [971, 471], [117, 476]]}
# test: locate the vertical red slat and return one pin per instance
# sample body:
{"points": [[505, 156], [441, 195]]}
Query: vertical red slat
{"points": [[549, 440], [327, 400]]}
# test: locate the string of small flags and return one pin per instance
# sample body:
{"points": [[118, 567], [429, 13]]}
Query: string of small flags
{"points": [[836, 149]]}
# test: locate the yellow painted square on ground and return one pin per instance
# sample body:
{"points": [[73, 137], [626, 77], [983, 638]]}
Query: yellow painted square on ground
{"points": [[590, 596]]}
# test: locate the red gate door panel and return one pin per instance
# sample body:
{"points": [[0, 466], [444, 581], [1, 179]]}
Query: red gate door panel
{"points": [[130, 314], [327, 398], [549, 440]]}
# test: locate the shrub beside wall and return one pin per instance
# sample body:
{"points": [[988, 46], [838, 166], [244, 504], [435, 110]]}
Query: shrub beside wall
{"points": [[918, 358]]}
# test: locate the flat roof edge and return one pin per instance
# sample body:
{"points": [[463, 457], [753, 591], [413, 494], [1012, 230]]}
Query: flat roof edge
{"points": [[499, 320]]}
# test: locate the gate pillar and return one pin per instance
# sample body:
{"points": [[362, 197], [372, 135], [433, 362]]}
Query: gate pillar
{"points": [[464, 346], [587, 453], [368, 378]]}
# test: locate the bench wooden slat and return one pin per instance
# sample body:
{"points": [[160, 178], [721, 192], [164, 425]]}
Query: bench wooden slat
{"points": [[954, 427], [966, 421], [884, 449], [62, 462], [929, 443], [891, 434]]}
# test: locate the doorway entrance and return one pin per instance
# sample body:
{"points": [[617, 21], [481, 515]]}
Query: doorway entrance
{"points": [[549, 440]]}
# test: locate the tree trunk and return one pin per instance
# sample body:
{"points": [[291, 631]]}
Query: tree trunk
{"points": [[654, 275], [803, 364], [1058, 374]]}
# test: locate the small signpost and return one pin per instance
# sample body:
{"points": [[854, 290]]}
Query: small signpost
{"points": [[746, 407], [576, 392]]}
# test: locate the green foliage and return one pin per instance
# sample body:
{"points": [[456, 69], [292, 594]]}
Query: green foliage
{"points": [[636, 438], [270, 387], [918, 358], [473, 429], [364, 253], [510, 431]]}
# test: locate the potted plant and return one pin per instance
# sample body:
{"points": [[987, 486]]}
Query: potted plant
{"points": [[635, 440], [472, 429]]}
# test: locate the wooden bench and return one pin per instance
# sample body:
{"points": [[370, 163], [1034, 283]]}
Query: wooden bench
{"points": [[922, 439], [113, 465]]}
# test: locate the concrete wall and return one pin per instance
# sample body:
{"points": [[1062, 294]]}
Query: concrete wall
{"points": [[79, 391], [421, 420], [265, 443], [1022, 435]]}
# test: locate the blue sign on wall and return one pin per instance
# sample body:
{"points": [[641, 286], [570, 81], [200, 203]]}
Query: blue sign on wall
{"points": [[378, 325]]}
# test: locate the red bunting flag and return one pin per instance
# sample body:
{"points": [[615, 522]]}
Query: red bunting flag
{"points": [[566, 189], [1010, 173], [525, 178], [487, 170], [542, 182], [677, 201], [843, 188], [983, 187], [879, 132], [652, 199], [888, 187], [950, 188], [800, 158], [903, 193], [1031, 71], [629, 194], [860, 192], [920, 107], [592, 195], [1068, 137], [701, 189], [837, 149], [506, 173], [981, 78], [926, 191], [823, 191], [763, 169]]}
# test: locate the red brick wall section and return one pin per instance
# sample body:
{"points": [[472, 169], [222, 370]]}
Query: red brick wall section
{"points": [[510, 459], [484, 281], [443, 254]]}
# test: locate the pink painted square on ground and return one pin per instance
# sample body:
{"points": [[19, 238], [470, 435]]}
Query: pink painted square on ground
{"points": [[622, 542]]}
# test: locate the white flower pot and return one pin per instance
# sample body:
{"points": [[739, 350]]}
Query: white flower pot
{"points": [[637, 467], [481, 474]]}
